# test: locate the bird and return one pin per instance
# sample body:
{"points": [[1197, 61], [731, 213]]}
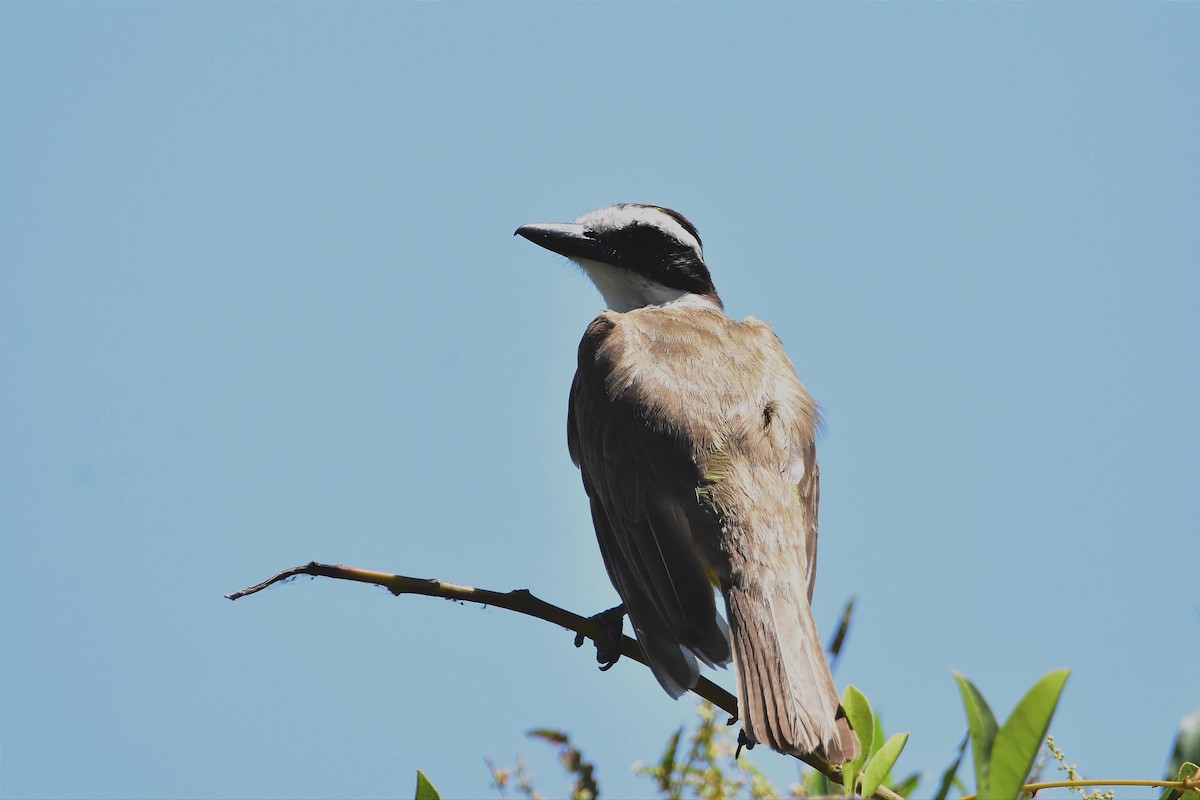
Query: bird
{"points": [[695, 440]]}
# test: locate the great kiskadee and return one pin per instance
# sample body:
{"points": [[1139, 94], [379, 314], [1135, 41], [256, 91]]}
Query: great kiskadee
{"points": [[696, 443]]}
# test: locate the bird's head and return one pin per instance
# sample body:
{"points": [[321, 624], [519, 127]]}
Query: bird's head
{"points": [[636, 255]]}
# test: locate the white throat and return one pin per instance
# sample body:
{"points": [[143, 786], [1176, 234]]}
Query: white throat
{"points": [[624, 291]]}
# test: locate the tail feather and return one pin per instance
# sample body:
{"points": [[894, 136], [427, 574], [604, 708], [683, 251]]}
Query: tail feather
{"points": [[844, 747], [785, 690], [673, 665]]}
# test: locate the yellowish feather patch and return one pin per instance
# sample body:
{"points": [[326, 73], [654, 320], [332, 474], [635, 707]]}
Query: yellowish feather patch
{"points": [[715, 471]]}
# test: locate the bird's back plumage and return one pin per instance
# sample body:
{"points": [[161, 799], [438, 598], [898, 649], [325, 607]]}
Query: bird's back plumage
{"points": [[696, 443]]}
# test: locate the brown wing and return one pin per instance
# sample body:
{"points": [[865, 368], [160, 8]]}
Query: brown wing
{"points": [[796, 442], [809, 490], [639, 472]]}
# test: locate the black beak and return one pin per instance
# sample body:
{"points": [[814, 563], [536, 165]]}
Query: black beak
{"points": [[567, 239]]}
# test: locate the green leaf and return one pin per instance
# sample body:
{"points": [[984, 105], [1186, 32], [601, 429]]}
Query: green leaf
{"points": [[1187, 771], [981, 725], [666, 765], [1017, 743], [862, 720], [816, 784], [549, 735], [878, 738], [425, 790], [881, 763], [839, 636], [909, 785], [951, 771]]}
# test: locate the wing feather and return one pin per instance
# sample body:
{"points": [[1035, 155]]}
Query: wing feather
{"points": [[809, 491], [674, 666], [639, 479]]}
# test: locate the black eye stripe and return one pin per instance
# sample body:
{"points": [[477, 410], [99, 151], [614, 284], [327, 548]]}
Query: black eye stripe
{"points": [[648, 239], [651, 251]]}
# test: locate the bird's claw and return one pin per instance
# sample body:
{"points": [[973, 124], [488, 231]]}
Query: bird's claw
{"points": [[608, 651], [743, 741]]}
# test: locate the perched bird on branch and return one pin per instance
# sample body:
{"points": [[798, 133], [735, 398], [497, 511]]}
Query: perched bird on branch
{"points": [[696, 441]]}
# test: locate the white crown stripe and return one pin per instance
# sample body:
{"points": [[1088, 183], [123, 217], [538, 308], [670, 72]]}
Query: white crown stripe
{"points": [[616, 217]]}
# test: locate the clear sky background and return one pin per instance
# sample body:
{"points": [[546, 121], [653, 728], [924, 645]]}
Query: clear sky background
{"points": [[260, 303]]}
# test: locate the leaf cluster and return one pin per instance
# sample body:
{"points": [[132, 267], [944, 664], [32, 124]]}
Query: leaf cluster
{"points": [[704, 763], [1004, 755]]}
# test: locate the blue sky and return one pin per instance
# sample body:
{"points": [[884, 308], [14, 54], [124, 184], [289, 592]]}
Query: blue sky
{"points": [[260, 303]]}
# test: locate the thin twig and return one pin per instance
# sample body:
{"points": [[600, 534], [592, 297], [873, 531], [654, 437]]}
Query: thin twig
{"points": [[523, 601], [1181, 786]]}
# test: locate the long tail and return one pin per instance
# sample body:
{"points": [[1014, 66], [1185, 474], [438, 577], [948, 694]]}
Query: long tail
{"points": [[786, 694]]}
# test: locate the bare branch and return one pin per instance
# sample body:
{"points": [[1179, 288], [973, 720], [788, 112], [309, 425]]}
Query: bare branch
{"points": [[522, 601]]}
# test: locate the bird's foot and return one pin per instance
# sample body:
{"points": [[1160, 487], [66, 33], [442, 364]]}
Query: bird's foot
{"points": [[743, 741], [608, 650]]}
